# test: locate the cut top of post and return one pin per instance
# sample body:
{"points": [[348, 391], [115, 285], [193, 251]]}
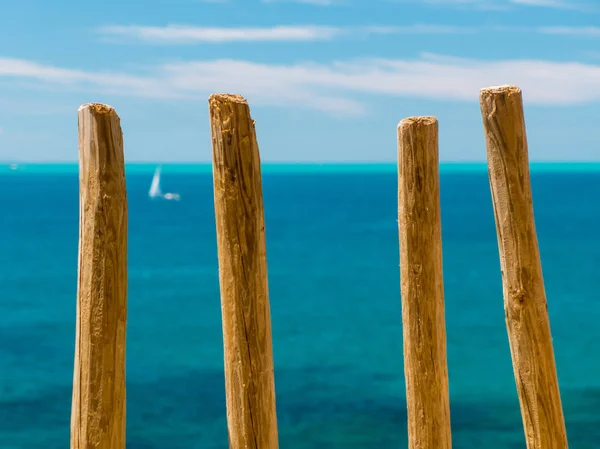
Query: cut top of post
{"points": [[418, 120], [100, 143], [98, 108], [233, 135], [506, 89], [216, 99]]}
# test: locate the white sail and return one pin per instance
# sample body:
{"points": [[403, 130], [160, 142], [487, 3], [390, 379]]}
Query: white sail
{"points": [[155, 186]]}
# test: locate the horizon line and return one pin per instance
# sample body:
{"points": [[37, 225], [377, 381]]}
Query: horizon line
{"points": [[468, 162], [15, 168]]}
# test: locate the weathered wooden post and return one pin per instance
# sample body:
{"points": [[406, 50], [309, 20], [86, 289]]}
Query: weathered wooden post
{"points": [[524, 295], [424, 328], [98, 407], [249, 376]]}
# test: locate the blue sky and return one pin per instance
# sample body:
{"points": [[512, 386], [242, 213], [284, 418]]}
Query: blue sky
{"points": [[327, 80]]}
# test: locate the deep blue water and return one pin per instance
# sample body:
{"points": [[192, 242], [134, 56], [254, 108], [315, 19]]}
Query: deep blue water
{"points": [[332, 245]]}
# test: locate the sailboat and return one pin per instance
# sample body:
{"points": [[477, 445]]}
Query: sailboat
{"points": [[155, 190]]}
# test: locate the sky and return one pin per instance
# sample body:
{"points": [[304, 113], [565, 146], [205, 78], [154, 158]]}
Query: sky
{"points": [[326, 80]]}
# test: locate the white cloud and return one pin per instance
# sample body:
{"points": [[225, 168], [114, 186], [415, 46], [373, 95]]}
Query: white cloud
{"points": [[506, 4], [558, 4], [456, 2], [490, 5], [186, 34], [182, 34], [572, 31], [546, 3], [333, 87], [18, 68], [308, 2]]}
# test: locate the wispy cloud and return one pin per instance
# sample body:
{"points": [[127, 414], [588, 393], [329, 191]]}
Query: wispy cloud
{"points": [[590, 31], [493, 5], [308, 2], [117, 82], [177, 34], [457, 2], [557, 4], [183, 34], [509, 4], [333, 87], [410, 29]]}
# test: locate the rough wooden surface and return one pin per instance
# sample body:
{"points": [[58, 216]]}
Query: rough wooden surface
{"points": [[98, 408], [524, 296], [424, 328], [250, 385]]}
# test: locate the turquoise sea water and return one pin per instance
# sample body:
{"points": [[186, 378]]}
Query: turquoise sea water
{"points": [[332, 244]]}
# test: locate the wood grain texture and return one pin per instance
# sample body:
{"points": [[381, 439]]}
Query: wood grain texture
{"points": [[524, 296], [98, 407], [424, 328], [249, 377]]}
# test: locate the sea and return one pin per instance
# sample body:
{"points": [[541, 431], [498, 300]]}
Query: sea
{"points": [[334, 283]]}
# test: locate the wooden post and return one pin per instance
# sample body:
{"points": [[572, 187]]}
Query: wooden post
{"points": [[524, 296], [249, 377], [98, 408], [424, 328]]}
